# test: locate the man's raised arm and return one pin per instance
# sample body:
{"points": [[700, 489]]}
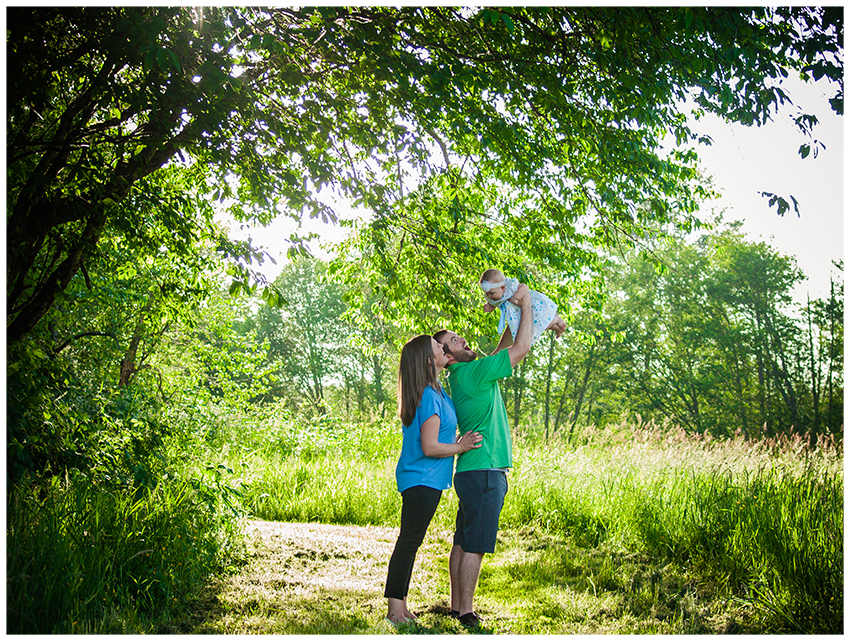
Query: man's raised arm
{"points": [[505, 342], [522, 342]]}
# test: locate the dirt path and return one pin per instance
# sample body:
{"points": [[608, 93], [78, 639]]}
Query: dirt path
{"points": [[307, 578], [305, 557], [311, 578]]}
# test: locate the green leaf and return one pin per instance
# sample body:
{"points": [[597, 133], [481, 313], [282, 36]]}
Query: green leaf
{"points": [[175, 61]]}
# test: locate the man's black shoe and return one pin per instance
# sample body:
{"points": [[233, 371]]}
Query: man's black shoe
{"points": [[470, 620]]}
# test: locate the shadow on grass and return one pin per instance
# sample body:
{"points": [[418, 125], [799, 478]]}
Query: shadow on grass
{"points": [[535, 583], [322, 612], [544, 584], [326, 611]]}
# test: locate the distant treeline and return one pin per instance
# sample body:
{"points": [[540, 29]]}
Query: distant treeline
{"points": [[702, 335]]}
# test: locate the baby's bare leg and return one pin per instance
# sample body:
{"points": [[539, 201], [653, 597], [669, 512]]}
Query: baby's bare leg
{"points": [[557, 325]]}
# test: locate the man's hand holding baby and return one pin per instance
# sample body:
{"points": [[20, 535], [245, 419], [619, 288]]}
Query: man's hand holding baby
{"points": [[522, 295]]}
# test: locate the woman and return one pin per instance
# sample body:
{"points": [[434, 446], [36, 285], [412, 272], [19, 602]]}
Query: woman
{"points": [[424, 468]]}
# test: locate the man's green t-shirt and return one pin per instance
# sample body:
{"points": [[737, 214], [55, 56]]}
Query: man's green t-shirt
{"points": [[474, 389]]}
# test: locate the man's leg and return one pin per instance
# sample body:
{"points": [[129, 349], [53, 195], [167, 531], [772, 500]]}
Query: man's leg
{"points": [[481, 494], [468, 569], [454, 583]]}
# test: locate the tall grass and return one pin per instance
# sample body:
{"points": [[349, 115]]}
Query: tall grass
{"points": [[84, 558], [760, 522]]}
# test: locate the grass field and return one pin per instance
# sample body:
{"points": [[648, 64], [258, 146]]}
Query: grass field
{"points": [[317, 578], [632, 531]]}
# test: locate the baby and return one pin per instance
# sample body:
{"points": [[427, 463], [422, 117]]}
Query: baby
{"points": [[499, 289]]}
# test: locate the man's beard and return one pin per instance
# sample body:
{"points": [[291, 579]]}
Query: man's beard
{"points": [[464, 355]]}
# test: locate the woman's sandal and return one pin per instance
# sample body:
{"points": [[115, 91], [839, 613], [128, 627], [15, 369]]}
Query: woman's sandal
{"points": [[395, 624]]}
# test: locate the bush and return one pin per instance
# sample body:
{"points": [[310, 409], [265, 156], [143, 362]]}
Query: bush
{"points": [[78, 551]]}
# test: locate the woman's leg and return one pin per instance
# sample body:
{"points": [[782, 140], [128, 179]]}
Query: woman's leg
{"points": [[418, 506]]}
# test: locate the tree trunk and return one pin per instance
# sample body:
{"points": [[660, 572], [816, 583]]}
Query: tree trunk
{"points": [[762, 394], [730, 349], [377, 383], [42, 300], [590, 403], [560, 411], [361, 401], [550, 369], [582, 390], [780, 372], [128, 363], [519, 384], [814, 371], [833, 354]]}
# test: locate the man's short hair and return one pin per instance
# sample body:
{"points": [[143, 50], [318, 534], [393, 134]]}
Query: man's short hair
{"points": [[438, 335]]}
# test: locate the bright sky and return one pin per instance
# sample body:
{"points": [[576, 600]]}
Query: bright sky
{"points": [[744, 162], [748, 160]]}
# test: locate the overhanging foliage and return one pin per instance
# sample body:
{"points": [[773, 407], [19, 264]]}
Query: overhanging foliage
{"points": [[560, 110]]}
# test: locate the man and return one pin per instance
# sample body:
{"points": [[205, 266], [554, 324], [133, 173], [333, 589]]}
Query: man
{"points": [[481, 474]]}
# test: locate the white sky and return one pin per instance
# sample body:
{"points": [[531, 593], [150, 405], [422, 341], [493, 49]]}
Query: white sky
{"points": [[748, 160], [744, 162]]}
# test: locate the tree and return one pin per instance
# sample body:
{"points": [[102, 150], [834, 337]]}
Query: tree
{"points": [[567, 164], [713, 341], [221, 356], [825, 329], [98, 343], [666, 363], [755, 282], [374, 342], [306, 335], [555, 114]]}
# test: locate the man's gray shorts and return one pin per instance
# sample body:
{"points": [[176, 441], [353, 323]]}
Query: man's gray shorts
{"points": [[481, 495]]}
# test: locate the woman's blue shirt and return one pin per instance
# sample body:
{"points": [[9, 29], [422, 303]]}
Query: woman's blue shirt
{"points": [[414, 468]]}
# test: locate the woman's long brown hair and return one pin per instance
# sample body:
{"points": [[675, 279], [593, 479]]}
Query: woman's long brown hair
{"points": [[416, 370]]}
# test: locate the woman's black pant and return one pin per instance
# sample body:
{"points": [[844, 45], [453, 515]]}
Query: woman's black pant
{"points": [[418, 505]]}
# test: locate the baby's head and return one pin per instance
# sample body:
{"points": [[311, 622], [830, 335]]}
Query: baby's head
{"points": [[493, 283]]}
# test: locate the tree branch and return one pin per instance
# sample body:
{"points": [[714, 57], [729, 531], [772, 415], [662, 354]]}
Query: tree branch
{"points": [[58, 349]]}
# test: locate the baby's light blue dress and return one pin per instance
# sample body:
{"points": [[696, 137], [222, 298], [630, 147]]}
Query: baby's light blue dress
{"points": [[543, 310]]}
